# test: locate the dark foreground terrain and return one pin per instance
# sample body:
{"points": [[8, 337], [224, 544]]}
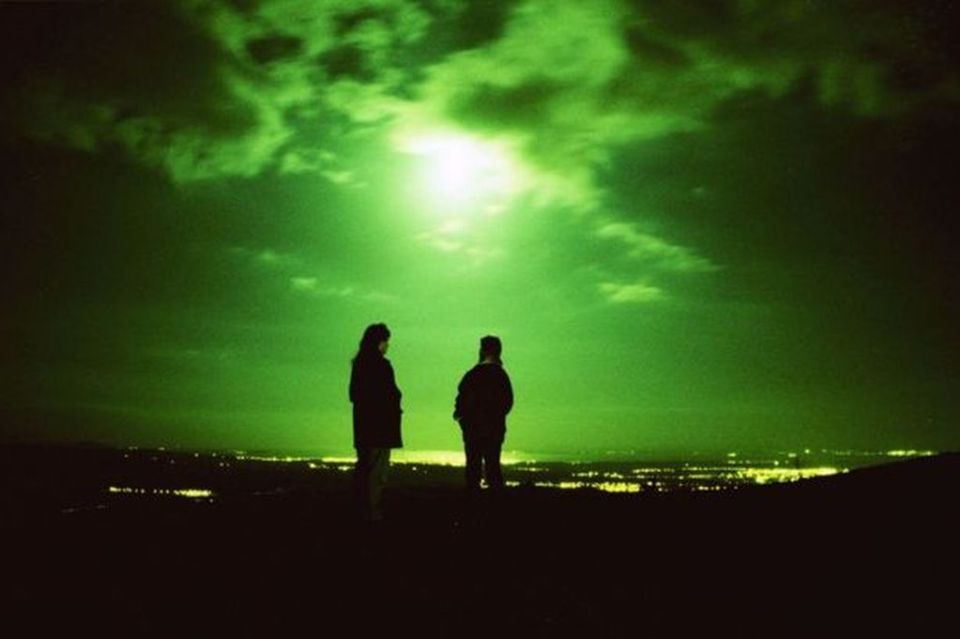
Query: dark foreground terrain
{"points": [[277, 552]]}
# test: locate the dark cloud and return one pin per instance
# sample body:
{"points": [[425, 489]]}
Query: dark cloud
{"points": [[347, 62], [136, 58], [174, 83], [479, 23], [649, 52], [272, 48], [576, 81], [145, 77], [888, 54], [517, 108]]}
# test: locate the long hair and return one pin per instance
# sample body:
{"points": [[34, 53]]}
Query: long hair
{"points": [[370, 342]]}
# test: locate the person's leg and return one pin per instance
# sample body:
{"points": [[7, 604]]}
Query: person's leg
{"points": [[380, 465], [361, 481], [474, 469], [491, 462]]}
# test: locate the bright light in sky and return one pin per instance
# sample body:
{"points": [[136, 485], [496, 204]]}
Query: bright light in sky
{"points": [[463, 173]]}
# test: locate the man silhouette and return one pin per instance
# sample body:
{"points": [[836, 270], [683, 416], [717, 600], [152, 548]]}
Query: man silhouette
{"points": [[484, 398]]}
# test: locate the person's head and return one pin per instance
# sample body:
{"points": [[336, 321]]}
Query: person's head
{"points": [[376, 339], [490, 348]]}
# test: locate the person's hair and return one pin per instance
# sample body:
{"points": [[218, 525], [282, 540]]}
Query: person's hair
{"points": [[490, 346], [370, 342]]}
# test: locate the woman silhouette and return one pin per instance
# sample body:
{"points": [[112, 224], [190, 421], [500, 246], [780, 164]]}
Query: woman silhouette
{"points": [[376, 418]]}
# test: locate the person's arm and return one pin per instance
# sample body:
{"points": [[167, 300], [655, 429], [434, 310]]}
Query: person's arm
{"points": [[460, 404], [507, 393], [354, 391], [392, 388]]}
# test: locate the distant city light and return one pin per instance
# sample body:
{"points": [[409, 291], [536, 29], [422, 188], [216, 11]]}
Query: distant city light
{"points": [[189, 493], [910, 453], [605, 486], [286, 459], [768, 475], [727, 471]]}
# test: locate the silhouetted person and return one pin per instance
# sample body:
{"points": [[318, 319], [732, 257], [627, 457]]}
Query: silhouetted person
{"points": [[376, 418], [484, 398]]}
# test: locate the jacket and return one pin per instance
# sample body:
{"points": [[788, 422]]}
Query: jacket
{"points": [[376, 403], [484, 397]]}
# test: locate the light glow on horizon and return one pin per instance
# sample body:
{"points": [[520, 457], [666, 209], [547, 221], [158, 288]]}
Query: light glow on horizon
{"points": [[189, 493], [430, 457]]}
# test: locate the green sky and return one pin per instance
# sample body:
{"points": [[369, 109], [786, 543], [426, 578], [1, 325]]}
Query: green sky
{"points": [[696, 225]]}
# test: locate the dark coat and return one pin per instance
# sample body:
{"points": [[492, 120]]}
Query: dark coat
{"points": [[376, 403], [484, 398]]}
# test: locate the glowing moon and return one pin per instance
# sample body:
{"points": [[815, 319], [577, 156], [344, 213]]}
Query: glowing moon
{"points": [[462, 173]]}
